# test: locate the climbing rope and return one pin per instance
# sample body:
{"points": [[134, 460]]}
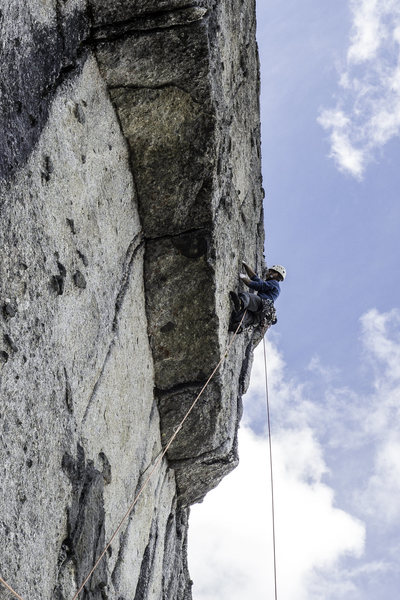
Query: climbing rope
{"points": [[270, 468], [10, 588], [157, 463]]}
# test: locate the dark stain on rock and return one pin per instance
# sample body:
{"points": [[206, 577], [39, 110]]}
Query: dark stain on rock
{"points": [[10, 308], [79, 280], [106, 468], [85, 540], [8, 340], [176, 582], [3, 356], [83, 258], [30, 74], [71, 224], [205, 192], [192, 244], [57, 281], [47, 169], [62, 269], [57, 284], [146, 567], [170, 326], [79, 114], [68, 393]]}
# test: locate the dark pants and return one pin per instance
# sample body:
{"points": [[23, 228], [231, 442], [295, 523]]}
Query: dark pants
{"points": [[254, 306]]}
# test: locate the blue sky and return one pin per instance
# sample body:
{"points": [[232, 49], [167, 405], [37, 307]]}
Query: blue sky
{"points": [[338, 235], [330, 111]]}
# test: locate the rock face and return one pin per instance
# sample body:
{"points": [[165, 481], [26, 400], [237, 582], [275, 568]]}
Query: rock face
{"points": [[130, 191]]}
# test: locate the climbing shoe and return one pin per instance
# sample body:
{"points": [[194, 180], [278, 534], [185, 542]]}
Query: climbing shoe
{"points": [[237, 304]]}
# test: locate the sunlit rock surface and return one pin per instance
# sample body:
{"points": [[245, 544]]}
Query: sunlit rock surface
{"points": [[130, 191]]}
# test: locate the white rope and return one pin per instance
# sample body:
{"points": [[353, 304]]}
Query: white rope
{"points": [[10, 588], [271, 469], [176, 431], [157, 463]]}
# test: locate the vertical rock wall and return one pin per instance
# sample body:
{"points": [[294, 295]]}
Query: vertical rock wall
{"points": [[130, 191]]}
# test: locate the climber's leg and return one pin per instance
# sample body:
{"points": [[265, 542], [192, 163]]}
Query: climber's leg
{"points": [[237, 304], [251, 302]]}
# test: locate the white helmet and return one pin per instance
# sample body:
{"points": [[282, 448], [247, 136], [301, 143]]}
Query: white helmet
{"points": [[279, 269]]}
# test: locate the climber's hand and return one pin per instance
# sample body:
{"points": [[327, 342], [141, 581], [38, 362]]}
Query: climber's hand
{"points": [[244, 279], [248, 269]]}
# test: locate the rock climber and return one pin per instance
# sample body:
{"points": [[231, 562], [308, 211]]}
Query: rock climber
{"points": [[260, 307]]}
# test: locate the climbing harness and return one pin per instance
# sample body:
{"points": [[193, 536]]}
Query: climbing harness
{"points": [[262, 319], [270, 467], [268, 313], [156, 464]]}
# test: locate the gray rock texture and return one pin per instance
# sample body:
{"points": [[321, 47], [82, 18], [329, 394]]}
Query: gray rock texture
{"points": [[130, 191]]}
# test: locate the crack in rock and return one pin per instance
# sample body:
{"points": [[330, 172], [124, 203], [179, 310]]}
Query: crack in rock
{"points": [[85, 525], [146, 568], [150, 23], [131, 253]]}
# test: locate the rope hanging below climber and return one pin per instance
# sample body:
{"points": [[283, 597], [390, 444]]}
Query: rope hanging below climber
{"points": [[249, 310], [158, 461]]}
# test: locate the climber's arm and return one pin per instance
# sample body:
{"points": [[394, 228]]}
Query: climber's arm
{"points": [[245, 279], [249, 270]]}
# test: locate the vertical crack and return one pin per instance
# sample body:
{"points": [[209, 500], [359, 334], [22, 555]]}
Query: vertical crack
{"points": [[130, 256]]}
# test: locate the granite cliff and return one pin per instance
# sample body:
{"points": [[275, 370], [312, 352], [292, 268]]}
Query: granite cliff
{"points": [[130, 191]]}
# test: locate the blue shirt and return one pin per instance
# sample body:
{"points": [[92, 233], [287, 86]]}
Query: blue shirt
{"points": [[268, 290]]}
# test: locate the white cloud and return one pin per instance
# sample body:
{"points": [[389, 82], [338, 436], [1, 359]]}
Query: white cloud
{"points": [[367, 114], [230, 553], [381, 339], [368, 32], [229, 536], [315, 365], [365, 426], [337, 483], [381, 498], [313, 534]]}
